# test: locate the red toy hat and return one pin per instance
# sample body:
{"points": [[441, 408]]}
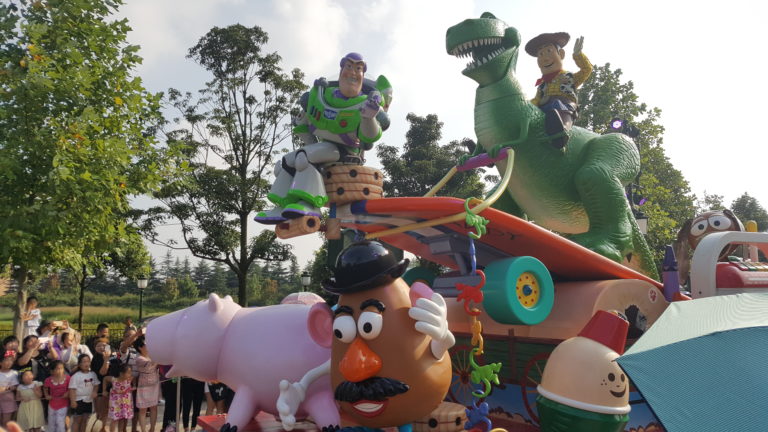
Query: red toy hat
{"points": [[607, 328]]}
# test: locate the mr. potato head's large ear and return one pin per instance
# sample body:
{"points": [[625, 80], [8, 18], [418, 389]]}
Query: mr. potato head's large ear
{"points": [[682, 234], [735, 219], [419, 290], [320, 324]]}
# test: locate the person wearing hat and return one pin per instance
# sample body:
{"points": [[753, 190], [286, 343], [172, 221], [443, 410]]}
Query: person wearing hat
{"points": [[389, 363], [556, 89], [338, 122]]}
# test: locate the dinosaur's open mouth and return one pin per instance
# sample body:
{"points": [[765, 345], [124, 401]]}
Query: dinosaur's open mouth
{"points": [[481, 50]]}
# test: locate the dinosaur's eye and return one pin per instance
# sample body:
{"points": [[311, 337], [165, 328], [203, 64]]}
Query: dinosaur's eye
{"points": [[720, 222]]}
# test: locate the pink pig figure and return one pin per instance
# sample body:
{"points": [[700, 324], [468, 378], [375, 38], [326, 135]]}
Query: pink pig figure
{"points": [[252, 350]]}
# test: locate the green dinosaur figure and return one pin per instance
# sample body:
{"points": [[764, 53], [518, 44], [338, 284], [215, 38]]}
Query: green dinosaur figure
{"points": [[578, 190]]}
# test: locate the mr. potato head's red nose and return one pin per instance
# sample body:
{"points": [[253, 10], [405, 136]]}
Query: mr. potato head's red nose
{"points": [[359, 362]]}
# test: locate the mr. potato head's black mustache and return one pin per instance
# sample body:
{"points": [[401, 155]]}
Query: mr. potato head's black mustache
{"points": [[373, 389]]}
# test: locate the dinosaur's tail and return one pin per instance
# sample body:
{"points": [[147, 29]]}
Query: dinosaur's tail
{"points": [[641, 251]]}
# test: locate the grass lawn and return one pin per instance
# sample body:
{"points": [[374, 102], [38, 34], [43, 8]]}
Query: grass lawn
{"points": [[92, 315]]}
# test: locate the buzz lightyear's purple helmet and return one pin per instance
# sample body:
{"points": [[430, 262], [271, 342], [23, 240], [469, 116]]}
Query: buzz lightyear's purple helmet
{"points": [[354, 57]]}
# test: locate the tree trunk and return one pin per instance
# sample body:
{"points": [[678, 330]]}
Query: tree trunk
{"points": [[81, 282], [21, 301], [242, 274]]}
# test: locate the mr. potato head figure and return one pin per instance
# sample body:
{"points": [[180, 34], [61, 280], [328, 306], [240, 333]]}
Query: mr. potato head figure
{"points": [[389, 356]]}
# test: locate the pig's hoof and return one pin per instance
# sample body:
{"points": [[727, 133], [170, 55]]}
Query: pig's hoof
{"points": [[330, 428], [228, 428]]}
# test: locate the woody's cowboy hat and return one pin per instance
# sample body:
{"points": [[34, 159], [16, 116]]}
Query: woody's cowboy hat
{"points": [[362, 266], [560, 39]]}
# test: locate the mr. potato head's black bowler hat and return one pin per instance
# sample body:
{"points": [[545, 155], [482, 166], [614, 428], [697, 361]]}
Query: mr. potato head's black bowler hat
{"points": [[362, 266]]}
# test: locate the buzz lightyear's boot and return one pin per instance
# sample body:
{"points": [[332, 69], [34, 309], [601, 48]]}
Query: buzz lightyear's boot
{"points": [[307, 192], [278, 193]]}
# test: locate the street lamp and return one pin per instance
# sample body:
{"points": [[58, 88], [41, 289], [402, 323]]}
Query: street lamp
{"points": [[306, 279], [642, 221], [142, 284]]}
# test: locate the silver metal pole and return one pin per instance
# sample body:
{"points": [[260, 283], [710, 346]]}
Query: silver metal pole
{"points": [[178, 404]]}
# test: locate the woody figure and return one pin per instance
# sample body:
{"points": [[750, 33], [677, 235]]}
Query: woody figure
{"points": [[556, 92]]}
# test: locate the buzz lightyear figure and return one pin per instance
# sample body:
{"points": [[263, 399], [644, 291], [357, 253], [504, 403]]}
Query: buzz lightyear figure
{"points": [[338, 123]]}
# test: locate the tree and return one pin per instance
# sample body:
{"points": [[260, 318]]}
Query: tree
{"points": [[218, 280], [747, 208], [236, 127], [76, 135], [187, 287], [128, 257], [319, 270], [170, 289], [424, 162], [669, 199], [200, 275], [709, 202]]}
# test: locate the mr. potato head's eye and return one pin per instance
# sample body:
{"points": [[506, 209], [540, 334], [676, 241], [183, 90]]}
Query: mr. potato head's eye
{"points": [[369, 325], [699, 227], [720, 222], [344, 328]]}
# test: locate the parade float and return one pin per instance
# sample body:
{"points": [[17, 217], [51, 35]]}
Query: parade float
{"points": [[526, 328]]}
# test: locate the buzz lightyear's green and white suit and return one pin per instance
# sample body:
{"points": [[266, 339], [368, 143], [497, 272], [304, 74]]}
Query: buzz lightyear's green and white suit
{"points": [[333, 128]]}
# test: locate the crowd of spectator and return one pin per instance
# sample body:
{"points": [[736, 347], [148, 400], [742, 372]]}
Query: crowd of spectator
{"points": [[53, 381]]}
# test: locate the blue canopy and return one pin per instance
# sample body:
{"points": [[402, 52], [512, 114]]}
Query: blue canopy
{"points": [[703, 366]]}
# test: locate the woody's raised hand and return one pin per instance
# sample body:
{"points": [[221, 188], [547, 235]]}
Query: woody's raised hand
{"points": [[578, 45]]}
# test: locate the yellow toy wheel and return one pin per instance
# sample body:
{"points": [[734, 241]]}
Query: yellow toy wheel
{"points": [[528, 290]]}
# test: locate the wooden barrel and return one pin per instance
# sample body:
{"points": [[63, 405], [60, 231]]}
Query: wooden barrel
{"points": [[353, 174], [343, 193], [297, 227]]}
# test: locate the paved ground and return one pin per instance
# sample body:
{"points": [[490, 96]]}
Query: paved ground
{"points": [[95, 425]]}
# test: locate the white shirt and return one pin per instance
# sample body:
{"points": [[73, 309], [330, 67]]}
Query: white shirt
{"points": [[70, 361], [35, 320], [83, 383], [9, 379]]}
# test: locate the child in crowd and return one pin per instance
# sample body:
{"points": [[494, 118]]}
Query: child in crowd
{"points": [[31, 317], [28, 393], [83, 386], [57, 392], [148, 386], [8, 381], [216, 394], [11, 343], [120, 397]]}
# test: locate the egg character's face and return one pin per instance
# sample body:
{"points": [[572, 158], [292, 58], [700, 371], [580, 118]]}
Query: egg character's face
{"points": [[616, 385], [382, 370], [710, 222], [582, 370]]}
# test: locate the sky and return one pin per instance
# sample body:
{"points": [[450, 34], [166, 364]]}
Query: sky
{"points": [[699, 62]]}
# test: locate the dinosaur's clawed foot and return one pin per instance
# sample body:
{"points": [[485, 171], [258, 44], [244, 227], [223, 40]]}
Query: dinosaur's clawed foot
{"points": [[603, 244]]}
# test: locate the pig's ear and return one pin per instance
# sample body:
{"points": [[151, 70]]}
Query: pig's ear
{"points": [[320, 324], [172, 372], [419, 290], [228, 298], [214, 303]]}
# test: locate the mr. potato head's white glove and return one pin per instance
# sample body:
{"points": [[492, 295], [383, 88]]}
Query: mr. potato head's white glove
{"points": [[291, 396], [431, 317]]}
